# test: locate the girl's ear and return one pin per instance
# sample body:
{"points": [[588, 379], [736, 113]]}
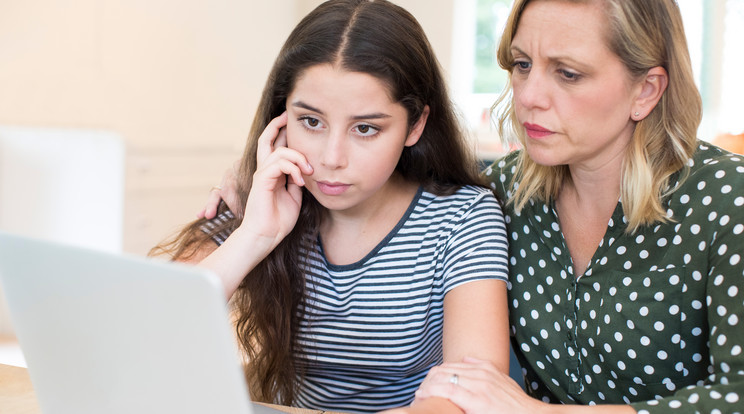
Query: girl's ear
{"points": [[652, 88], [418, 128]]}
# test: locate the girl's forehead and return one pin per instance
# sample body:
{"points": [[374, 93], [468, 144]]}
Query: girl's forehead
{"points": [[330, 79]]}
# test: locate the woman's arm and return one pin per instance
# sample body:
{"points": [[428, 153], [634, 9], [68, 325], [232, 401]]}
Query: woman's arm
{"points": [[482, 388]]}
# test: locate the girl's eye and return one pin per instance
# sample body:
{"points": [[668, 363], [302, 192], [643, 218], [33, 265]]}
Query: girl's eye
{"points": [[366, 130], [310, 122]]}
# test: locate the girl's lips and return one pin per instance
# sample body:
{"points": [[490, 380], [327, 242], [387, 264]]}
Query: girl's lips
{"points": [[536, 131], [332, 189]]}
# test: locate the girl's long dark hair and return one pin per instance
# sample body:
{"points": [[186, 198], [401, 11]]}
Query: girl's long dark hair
{"points": [[374, 37]]}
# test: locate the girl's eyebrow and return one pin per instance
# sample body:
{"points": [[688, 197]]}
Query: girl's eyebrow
{"points": [[376, 115]]}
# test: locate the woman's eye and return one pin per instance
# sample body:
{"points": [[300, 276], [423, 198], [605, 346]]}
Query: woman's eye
{"points": [[522, 65], [570, 76]]}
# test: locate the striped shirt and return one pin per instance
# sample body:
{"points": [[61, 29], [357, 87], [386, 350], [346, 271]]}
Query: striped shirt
{"points": [[373, 329]]}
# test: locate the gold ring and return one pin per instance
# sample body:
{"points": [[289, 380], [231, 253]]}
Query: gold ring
{"points": [[217, 187]]}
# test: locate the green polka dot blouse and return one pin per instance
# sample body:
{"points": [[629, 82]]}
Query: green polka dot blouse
{"points": [[657, 319]]}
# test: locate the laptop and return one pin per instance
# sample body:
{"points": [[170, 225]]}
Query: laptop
{"points": [[105, 334]]}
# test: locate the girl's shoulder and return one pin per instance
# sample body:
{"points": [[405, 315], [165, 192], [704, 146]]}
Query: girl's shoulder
{"points": [[466, 202]]}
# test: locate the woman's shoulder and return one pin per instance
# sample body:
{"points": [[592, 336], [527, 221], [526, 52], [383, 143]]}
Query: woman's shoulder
{"points": [[711, 163], [713, 176], [500, 174]]}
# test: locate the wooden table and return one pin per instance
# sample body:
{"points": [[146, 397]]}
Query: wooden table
{"points": [[17, 394]]}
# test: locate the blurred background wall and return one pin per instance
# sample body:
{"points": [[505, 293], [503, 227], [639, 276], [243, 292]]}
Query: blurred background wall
{"points": [[177, 80], [118, 116]]}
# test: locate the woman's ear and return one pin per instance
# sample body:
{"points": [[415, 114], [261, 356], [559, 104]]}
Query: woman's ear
{"points": [[652, 88], [418, 128]]}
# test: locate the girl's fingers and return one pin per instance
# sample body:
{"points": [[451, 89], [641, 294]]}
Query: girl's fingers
{"points": [[289, 154], [280, 168], [281, 138], [268, 137]]}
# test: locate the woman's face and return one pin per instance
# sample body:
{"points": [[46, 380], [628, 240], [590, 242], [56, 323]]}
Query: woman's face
{"points": [[572, 95], [351, 132]]}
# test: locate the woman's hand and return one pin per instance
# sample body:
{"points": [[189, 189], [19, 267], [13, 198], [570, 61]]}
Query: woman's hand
{"points": [[274, 202], [227, 191], [477, 387]]}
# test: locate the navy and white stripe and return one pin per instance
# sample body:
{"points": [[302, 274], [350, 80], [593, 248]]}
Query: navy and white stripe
{"points": [[373, 329]]}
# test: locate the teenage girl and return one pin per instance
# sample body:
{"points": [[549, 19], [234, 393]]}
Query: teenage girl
{"points": [[368, 250]]}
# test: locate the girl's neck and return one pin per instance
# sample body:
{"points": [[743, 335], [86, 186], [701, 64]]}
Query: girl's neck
{"points": [[348, 236]]}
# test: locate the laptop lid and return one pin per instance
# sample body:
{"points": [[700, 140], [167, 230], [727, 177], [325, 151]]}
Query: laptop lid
{"points": [[106, 333]]}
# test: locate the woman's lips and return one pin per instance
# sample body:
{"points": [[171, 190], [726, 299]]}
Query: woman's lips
{"points": [[536, 131], [332, 189]]}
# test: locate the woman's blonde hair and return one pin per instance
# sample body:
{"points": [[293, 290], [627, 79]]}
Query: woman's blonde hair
{"points": [[644, 34]]}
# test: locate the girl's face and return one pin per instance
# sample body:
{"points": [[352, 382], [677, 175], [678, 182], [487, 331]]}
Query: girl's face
{"points": [[352, 134], [573, 96]]}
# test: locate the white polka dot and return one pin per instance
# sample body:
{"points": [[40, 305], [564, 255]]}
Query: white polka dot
{"points": [[706, 200], [648, 369], [739, 201], [684, 199], [695, 229], [732, 398], [736, 350], [674, 404], [659, 296], [661, 355], [661, 242], [643, 254], [659, 326], [734, 260], [645, 341]]}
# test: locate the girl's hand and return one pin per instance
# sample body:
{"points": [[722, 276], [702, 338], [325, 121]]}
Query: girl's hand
{"points": [[477, 387], [274, 202]]}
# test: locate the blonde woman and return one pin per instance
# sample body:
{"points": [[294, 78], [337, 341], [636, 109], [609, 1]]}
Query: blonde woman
{"points": [[626, 271]]}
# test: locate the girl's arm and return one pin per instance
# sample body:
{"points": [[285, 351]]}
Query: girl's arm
{"points": [[271, 210]]}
